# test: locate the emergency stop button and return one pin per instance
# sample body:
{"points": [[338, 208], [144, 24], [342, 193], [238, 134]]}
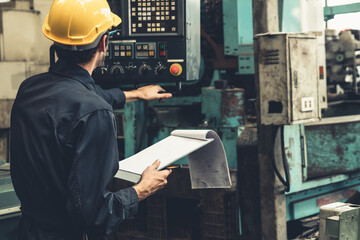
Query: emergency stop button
{"points": [[176, 69]]}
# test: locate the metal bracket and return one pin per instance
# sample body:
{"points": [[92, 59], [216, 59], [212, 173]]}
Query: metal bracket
{"points": [[304, 162]]}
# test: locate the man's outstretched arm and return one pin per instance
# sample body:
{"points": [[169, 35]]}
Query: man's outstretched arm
{"points": [[117, 98]]}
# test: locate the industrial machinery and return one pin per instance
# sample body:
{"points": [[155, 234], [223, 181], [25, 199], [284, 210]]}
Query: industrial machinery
{"points": [[9, 204], [203, 51], [159, 42], [216, 90], [343, 60]]}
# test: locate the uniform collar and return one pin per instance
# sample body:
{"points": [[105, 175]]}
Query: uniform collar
{"points": [[73, 71]]}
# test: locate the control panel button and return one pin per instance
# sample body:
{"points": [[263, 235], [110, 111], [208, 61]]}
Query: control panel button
{"points": [[153, 12], [176, 69], [162, 49]]}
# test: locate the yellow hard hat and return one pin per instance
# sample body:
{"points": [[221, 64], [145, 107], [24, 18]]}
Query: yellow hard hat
{"points": [[78, 22]]}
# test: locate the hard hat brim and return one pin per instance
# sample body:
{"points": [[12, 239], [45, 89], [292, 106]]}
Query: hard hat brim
{"points": [[117, 20]]}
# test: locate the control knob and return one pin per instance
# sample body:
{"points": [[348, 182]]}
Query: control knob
{"points": [[144, 69], [158, 69], [130, 69], [117, 70]]}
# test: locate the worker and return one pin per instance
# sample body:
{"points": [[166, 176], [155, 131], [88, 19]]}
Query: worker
{"points": [[63, 136]]}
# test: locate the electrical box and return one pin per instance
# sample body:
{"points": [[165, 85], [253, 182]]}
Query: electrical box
{"points": [[288, 78], [158, 41], [339, 220]]}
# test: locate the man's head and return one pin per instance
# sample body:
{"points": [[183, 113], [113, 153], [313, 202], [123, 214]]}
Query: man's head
{"points": [[79, 28], [84, 56]]}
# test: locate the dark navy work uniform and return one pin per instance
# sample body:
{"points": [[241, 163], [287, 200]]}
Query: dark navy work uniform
{"points": [[64, 153]]}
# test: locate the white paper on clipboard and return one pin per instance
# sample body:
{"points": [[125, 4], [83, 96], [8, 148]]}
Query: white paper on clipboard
{"points": [[207, 159]]}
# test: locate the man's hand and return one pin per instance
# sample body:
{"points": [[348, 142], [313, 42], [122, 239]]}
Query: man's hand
{"points": [[147, 93], [151, 181]]}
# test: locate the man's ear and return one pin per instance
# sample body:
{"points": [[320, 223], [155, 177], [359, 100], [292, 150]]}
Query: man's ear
{"points": [[102, 44]]}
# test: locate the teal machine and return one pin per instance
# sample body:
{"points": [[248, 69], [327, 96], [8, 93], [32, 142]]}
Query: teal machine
{"points": [[215, 90], [202, 52]]}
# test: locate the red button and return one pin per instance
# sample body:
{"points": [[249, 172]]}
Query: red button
{"points": [[162, 53], [174, 69]]}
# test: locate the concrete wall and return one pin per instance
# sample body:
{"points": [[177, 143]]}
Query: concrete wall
{"points": [[24, 52]]}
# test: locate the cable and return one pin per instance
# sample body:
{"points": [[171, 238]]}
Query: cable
{"points": [[286, 182]]}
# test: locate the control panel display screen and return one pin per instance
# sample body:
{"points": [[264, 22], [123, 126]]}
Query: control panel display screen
{"points": [[153, 16]]}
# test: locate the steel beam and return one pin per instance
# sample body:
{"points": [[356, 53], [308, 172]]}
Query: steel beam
{"points": [[331, 11]]}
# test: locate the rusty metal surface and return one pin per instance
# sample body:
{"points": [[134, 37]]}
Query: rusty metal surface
{"points": [[220, 61], [224, 108], [233, 106], [332, 149], [335, 197]]}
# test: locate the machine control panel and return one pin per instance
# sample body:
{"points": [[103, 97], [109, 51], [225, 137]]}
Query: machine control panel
{"points": [[158, 41], [154, 16]]}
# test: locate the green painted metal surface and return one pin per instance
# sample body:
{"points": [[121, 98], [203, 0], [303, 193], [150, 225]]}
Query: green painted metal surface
{"points": [[297, 164], [223, 108], [135, 127], [323, 163], [308, 202], [238, 33], [332, 149], [331, 11], [238, 27]]}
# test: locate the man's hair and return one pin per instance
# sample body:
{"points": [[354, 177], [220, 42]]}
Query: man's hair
{"points": [[78, 57]]}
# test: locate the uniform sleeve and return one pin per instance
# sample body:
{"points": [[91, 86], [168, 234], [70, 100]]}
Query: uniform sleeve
{"points": [[115, 97], [90, 205]]}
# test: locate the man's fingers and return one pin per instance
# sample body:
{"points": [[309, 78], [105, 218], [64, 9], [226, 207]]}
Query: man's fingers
{"points": [[165, 95], [155, 165], [168, 172], [165, 173]]}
